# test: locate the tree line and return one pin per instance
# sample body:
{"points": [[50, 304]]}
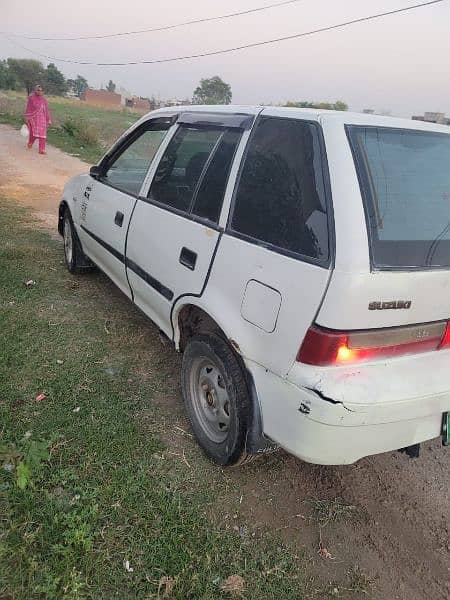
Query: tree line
{"points": [[25, 73], [338, 105]]}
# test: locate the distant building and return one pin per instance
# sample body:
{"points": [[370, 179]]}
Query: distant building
{"points": [[72, 94], [121, 98], [382, 112], [432, 117], [176, 102], [101, 98], [435, 117], [124, 95], [139, 104]]}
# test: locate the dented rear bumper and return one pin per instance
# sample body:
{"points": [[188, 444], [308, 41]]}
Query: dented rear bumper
{"points": [[320, 419]]}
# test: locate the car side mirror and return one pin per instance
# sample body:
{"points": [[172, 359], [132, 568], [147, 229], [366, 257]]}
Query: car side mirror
{"points": [[94, 171]]}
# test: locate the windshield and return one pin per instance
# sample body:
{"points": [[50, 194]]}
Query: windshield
{"points": [[405, 184]]}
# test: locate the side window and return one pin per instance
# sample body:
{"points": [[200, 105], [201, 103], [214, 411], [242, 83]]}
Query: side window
{"points": [[182, 166], [127, 171], [280, 199], [209, 199]]}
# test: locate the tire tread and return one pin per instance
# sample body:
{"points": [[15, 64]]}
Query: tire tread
{"points": [[233, 371]]}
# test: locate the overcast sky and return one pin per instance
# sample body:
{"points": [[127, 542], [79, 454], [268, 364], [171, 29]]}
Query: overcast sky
{"points": [[399, 63]]}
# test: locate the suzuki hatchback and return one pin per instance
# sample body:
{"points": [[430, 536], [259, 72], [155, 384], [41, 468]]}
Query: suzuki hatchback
{"points": [[300, 261]]}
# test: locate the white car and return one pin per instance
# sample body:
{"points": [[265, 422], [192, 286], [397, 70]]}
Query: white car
{"points": [[300, 261]]}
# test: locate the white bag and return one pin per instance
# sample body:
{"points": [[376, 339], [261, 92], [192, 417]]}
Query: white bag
{"points": [[24, 130]]}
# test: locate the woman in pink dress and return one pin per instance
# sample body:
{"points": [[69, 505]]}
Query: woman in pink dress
{"points": [[38, 118]]}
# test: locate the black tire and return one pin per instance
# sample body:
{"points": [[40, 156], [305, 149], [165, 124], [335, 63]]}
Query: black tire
{"points": [[205, 392], [75, 259]]}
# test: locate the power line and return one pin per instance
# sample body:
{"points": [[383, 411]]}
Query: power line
{"points": [[153, 29], [235, 48]]}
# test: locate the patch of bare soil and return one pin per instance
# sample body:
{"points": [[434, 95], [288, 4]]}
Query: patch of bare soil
{"points": [[397, 533], [32, 179], [378, 529]]}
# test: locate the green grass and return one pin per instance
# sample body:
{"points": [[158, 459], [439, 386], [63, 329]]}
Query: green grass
{"points": [[105, 126], [90, 476], [331, 511]]}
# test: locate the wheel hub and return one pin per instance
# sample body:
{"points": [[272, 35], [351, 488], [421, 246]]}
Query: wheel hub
{"points": [[209, 398]]}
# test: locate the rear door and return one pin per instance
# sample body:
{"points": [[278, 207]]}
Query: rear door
{"points": [[109, 200], [274, 261], [174, 231]]}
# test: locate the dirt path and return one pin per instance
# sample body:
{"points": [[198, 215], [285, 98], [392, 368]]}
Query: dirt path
{"points": [[32, 179], [388, 537]]}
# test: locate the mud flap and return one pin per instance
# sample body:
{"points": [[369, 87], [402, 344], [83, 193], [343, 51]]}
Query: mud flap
{"points": [[257, 442], [446, 429], [411, 451]]}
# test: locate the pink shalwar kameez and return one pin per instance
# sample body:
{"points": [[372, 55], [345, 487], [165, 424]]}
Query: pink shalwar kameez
{"points": [[38, 119]]}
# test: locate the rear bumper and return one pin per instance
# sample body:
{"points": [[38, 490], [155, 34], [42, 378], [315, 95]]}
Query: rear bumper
{"points": [[322, 430]]}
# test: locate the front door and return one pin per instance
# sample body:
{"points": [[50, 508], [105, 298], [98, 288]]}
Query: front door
{"points": [[174, 231], [109, 200]]}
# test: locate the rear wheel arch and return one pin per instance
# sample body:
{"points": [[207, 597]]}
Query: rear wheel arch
{"points": [[191, 321]]}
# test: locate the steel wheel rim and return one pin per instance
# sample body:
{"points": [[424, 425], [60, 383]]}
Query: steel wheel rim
{"points": [[68, 246], [210, 399]]}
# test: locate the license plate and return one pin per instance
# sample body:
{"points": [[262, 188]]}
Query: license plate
{"points": [[446, 429]]}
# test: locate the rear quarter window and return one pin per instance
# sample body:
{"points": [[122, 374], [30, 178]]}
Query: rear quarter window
{"points": [[404, 177], [280, 199]]}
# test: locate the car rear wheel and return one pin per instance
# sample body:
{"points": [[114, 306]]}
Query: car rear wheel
{"points": [[216, 398]]}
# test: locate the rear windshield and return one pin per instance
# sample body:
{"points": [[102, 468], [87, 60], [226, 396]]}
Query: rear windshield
{"points": [[405, 183]]}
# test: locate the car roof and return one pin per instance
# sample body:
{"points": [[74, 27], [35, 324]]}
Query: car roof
{"points": [[344, 117]]}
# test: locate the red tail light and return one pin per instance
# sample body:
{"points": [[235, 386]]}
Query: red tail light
{"points": [[445, 342], [323, 347]]}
